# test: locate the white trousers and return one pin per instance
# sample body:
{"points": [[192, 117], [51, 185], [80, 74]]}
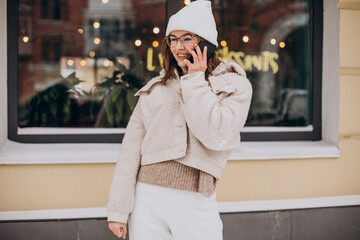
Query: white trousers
{"points": [[170, 214]]}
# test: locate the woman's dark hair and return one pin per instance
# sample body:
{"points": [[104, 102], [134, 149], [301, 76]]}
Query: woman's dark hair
{"points": [[170, 64]]}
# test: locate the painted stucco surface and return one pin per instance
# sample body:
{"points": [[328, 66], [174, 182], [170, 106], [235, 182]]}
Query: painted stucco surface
{"points": [[30, 187]]}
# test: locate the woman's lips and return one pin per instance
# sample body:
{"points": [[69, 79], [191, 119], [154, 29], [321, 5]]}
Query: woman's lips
{"points": [[182, 56]]}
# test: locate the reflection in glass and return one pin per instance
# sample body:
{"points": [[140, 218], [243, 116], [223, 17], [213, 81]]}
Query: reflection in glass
{"points": [[80, 62], [271, 41]]}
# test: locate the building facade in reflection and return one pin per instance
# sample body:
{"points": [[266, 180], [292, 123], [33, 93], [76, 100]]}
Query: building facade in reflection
{"points": [[269, 39]]}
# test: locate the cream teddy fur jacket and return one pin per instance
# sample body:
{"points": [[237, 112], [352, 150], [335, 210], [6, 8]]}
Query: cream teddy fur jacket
{"points": [[197, 125]]}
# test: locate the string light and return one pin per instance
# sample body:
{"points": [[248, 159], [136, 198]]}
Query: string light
{"points": [[92, 54], [187, 2], [80, 31], [156, 30], [223, 43], [97, 41], [96, 25], [282, 44], [245, 39], [273, 41], [155, 44], [138, 42], [70, 62], [25, 39], [82, 63]]}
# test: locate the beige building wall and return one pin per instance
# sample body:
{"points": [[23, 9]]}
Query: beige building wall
{"points": [[3, 75], [31, 187]]}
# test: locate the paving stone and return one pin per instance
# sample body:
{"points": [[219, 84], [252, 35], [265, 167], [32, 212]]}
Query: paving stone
{"points": [[326, 223], [274, 225], [96, 229], [342, 223], [54, 230]]}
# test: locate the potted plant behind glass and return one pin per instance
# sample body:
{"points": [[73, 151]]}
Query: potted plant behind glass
{"points": [[118, 92]]}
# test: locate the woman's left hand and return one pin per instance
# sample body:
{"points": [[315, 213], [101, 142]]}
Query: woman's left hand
{"points": [[200, 60]]}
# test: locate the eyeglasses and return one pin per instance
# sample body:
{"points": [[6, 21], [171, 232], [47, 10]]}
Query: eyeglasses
{"points": [[185, 40]]}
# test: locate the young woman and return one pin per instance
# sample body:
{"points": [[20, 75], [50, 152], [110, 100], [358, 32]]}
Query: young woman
{"points": [[178, 139]]}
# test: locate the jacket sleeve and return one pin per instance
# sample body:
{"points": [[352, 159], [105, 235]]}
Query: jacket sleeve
{"points": [[122, 190], [214, 121]]}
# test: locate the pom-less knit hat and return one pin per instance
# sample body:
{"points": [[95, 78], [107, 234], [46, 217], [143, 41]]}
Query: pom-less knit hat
{"points": [[197, 18]]}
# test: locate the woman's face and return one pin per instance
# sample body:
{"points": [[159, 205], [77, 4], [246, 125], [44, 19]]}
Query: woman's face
{"points": [[185, 42]]}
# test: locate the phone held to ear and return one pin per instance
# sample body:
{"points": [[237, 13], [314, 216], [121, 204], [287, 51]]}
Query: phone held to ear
{"points": [[210, 50]]}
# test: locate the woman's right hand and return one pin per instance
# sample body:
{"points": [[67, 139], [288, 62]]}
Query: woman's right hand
{"points": [[118, 228]]}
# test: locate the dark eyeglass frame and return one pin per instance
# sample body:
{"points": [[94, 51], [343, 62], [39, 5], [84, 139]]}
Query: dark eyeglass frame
{"points": [[179, 39]]}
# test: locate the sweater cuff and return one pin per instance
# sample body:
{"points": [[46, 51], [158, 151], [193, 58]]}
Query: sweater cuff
{"points": [[118, 217]]}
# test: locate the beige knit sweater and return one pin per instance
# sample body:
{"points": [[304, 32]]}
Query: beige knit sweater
{"points": [[172, 174]]}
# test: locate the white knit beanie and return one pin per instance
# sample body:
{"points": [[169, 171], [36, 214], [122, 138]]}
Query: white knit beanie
{"points": [[197, 18]]}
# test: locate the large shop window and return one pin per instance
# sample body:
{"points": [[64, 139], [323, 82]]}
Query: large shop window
{"points": [[74, 66]]}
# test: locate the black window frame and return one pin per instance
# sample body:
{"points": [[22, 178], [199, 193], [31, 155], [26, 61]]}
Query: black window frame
{"points": [[171, 8]]}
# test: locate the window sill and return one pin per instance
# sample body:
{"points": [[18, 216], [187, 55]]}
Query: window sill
{"points": [[285, 150], [19, 153]]}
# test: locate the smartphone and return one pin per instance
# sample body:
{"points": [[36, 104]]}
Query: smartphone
{"points": [[210, 49]]}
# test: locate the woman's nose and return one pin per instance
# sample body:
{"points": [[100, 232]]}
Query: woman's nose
{"points": [[179, 45]]}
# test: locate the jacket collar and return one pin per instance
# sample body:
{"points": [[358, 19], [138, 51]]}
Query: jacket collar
{"points": [[219, 84], [229, 67]]}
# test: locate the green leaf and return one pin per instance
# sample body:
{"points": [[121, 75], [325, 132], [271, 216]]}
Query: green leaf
{"points": [[109, 110], [119, 104], [53, 109], [116, 92], [71, 80], [118, 118], [131, 99]]}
